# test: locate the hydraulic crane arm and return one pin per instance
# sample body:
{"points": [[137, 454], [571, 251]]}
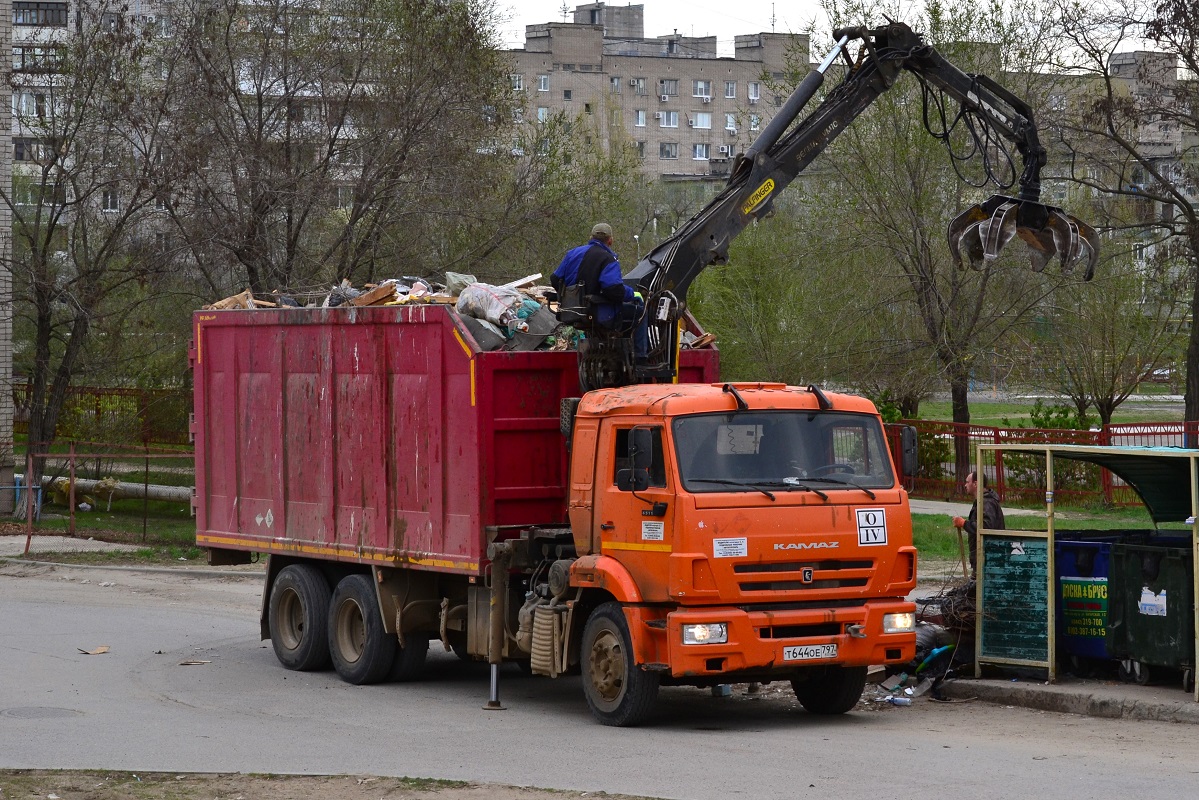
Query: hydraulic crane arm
{"points": [[779, 155]]}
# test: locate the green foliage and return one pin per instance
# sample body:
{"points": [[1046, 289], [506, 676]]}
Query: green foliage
{"points": [[934, 453], [1054, 416], [1030, 470]]}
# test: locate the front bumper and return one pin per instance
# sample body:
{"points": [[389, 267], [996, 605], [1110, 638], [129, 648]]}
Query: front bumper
{"points": [[756, 638]]}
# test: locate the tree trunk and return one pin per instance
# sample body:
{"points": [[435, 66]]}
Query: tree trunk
{"points": [[1191, 398], [959, 387]]}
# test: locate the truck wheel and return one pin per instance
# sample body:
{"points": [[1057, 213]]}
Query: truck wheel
{"points": [[362, 650], [618, 693], [832, 690], [298, 616], [409, 661]]}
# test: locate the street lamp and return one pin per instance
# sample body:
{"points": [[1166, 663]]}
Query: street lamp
{"points": [[637, 241]]}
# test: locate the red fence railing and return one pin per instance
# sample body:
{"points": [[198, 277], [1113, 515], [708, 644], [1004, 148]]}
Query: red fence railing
{"points": [[1019, 477]]}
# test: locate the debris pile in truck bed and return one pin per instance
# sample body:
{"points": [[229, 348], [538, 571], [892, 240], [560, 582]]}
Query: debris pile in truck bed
{"points": [[511, 316]]}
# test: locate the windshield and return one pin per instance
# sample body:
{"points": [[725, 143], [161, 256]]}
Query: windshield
{"points": [[781, 450]]}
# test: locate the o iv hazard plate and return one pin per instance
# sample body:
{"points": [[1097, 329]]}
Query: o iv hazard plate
{"points": [[872, 526]]}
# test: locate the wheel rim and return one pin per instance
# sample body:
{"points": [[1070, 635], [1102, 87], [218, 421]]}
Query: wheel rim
{"points": [[291, 619], [351, 632], [607, 667]]}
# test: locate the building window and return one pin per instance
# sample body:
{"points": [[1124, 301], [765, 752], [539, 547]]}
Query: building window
{"points": [[730, 88], [28, 193], [638, 85], [28, 150], [700, 151], [668, 150], [344, 197], [639, 118], [161, 242], [34, 58], [755, 91], [543, 83], [730, 122], [29, 104], [110, 200], [543, 113], [670, 119], [518, 82], [702, 89], [640, 149], [701, 119], [587, 108], [614, 85], [160, 204], [669, 87], [566, 94], [50, 14], [754, 121]]}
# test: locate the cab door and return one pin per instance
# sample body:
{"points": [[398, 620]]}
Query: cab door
{"points": [[634, 504]]}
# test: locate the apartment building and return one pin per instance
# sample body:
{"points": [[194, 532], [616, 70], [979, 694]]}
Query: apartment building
{"points": [[687, 110]]}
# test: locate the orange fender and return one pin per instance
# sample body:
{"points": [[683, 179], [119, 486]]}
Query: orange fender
{"points": [[604, 572]]}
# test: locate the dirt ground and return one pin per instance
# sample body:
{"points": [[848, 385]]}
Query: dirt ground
{"points": [[72, 785]]}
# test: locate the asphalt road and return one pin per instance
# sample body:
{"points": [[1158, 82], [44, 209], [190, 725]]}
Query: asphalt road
{"points": [[140, 707]]}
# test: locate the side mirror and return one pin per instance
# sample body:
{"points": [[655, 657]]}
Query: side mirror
{"points": [[641, 448], [632, 480], [908, 446]]}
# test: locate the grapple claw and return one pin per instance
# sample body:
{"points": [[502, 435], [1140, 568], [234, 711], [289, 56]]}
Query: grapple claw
{"points": [[981, 231]]}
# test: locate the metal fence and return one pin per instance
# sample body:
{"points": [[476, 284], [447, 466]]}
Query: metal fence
{"points": [[1020, 478], [127, 416]]}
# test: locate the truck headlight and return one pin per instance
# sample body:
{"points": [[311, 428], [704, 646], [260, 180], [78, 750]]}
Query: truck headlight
{"points": [[899, 623], [706, 633]]}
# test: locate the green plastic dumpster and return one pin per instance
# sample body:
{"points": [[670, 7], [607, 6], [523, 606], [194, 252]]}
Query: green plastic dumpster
{"points": [[1151, 619]]}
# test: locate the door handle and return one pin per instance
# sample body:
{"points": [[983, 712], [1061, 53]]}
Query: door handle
{"points": [[607, 526]]}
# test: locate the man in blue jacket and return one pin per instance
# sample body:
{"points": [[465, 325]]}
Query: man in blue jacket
{"points": [[595, 266]]}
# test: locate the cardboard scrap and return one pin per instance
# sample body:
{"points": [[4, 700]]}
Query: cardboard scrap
{"points": [[99, 651], [193, 662]]}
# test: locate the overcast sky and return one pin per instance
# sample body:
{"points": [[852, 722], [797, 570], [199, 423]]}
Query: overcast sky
{"points": [[724, 19]]}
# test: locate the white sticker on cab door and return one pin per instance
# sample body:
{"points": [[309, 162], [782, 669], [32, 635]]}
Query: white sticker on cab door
{"points": [[653, 531]]}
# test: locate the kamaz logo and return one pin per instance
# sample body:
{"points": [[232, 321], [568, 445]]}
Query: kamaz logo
{"points": [[805, 546]]}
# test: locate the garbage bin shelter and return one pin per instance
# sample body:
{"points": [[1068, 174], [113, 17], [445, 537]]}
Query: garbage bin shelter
{"points": [[1017, 592]]}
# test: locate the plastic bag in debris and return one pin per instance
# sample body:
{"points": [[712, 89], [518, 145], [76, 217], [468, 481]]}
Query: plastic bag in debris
{"points": [[455, 282], [496, 304], [340, 295], [528, 307]]}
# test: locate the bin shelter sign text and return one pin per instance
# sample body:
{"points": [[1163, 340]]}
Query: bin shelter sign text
{"points": [[1084, 607]]}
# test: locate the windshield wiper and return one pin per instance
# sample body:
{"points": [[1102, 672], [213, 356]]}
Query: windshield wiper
{"points": [[797, 483], [830, 479], [724, 482]]}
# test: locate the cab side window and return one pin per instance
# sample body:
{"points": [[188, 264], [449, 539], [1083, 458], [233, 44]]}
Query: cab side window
{"points": [[645, 453]]}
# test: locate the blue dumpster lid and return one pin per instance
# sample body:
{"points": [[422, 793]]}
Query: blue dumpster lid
{"points": [[1157, 474]]}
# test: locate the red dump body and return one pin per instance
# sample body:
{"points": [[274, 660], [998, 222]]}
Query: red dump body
{"points": [[376, 435]]}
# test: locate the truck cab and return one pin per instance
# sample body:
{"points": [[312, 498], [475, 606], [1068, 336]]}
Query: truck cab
{"points": [[746, 532]]}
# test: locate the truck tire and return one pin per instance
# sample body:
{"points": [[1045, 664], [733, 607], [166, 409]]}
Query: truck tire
{"points": [[298, 618], [409, 661], [618, 693], [362, 650], [831, 690]]}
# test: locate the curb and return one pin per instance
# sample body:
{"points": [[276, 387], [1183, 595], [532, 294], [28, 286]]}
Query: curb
{"points": [[1073, 699], [199, 573]]}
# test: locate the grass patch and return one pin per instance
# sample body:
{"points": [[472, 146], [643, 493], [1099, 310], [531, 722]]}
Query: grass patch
{"points": [[994, 413], [937, 540]]}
